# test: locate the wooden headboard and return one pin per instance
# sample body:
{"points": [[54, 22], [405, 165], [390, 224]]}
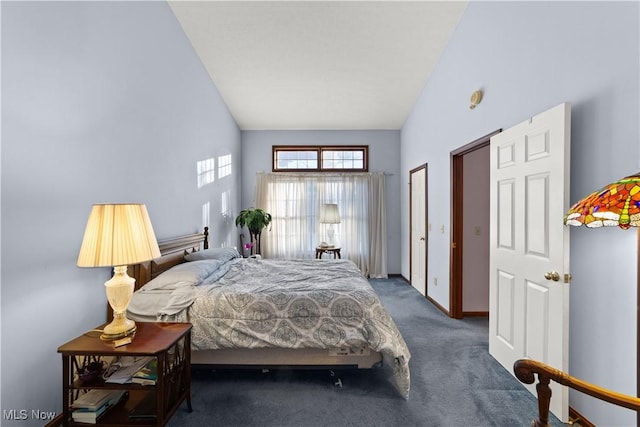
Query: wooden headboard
{"points": [[172, 253]]}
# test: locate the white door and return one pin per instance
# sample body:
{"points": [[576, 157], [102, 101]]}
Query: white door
{"points": [[529, 195], [418, 230]]}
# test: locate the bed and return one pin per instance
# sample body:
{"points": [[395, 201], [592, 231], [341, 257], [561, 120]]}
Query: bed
{"points": [[253, 312]]}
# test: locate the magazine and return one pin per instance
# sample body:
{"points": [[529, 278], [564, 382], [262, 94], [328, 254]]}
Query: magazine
{"points": [[121, 372], [148, 374]]}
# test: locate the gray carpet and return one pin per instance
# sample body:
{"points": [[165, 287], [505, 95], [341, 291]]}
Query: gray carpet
{"points": [[454, 382]]}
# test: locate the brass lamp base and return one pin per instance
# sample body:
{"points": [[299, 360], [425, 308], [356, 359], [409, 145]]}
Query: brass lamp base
{"points": [[117, 335]]}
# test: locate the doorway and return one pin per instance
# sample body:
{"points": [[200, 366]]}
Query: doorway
{"points": [[469, 285], [418, 228]]}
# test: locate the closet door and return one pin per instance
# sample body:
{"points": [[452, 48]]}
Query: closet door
{"points": [[418, 212]]}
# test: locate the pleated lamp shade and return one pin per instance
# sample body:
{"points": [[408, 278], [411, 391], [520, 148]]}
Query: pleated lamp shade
{"points": [[118, 234], [329, 214]]}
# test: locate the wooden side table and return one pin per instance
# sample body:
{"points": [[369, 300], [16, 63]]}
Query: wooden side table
{"points": [[169, 343], [330, 250]]}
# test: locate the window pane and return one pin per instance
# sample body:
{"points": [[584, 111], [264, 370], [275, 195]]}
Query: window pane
{"points": [[224, 166], [205, 172], [342, 159], [287, 159]]}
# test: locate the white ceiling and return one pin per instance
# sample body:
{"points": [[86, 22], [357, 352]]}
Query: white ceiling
{"points": [[319, 64]]}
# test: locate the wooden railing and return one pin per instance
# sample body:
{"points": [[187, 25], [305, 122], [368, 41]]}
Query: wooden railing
{"points": [[526, 368]]}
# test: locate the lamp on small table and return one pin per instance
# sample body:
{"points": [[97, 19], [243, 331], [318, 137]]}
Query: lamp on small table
{"points": [[329, 214], [118, 235]]}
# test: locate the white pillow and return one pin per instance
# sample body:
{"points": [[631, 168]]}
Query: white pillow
{"points": [[222, 254], [186, 274]]}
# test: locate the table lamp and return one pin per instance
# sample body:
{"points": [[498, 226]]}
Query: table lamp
{"points": [[329, 214], [118, 235]]}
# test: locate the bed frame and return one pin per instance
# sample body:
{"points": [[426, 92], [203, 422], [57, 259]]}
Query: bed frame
{"points": [[172, 253]]}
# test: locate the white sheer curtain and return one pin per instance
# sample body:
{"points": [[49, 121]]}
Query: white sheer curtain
{"points": [[377, 227], [294, 202]]}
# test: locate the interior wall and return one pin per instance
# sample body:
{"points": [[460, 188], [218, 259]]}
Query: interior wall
{"points": [[384, 156], [475, 231], [101, 102], [528, 57]]}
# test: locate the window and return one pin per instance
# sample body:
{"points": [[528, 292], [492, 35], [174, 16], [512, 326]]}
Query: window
{"points": [[328, 158], [206, 172], [224, 166], [294, 201]]}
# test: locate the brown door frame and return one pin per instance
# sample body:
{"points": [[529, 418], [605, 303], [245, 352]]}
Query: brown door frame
{"points": [[457, 209], [426, 221]]}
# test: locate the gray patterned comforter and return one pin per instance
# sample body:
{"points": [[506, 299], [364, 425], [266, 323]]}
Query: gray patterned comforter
{"points": [[295, 304]]}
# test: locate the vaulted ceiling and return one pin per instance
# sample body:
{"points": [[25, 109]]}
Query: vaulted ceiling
{"points": [[319, 64]]}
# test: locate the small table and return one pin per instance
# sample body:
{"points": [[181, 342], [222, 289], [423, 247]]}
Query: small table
{"points": [[330, 250], [169, 343]]}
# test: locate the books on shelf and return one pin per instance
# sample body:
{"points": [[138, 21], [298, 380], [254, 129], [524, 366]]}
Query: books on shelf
{"points": [[148, 374], [89, 407], [94, 399], [86, 416]]}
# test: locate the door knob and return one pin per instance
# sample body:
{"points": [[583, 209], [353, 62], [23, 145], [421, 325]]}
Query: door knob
{"points": [[552, 275]]}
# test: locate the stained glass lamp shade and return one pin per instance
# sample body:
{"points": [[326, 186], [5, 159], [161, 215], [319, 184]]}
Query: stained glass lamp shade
{"points": [[617, 204]]}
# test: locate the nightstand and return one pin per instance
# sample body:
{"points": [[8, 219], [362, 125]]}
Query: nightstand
{"points": [[169, 343], [330, 250]]}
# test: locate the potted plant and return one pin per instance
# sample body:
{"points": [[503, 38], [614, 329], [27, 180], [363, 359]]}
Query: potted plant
{"points": [[255, 220]]}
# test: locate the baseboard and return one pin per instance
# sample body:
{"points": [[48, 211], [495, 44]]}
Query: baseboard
{"points": [[576, 418], [438, 306], [475, 314]]}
